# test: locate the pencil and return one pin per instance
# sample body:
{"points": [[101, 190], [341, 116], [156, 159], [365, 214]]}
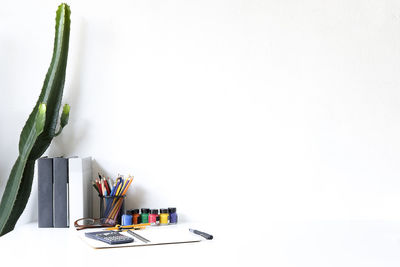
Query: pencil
{"points": [[98, 184], [95, 187], [106, 185]]}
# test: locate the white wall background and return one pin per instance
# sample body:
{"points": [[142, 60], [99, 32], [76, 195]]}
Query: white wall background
{"points": [[271, 109]]}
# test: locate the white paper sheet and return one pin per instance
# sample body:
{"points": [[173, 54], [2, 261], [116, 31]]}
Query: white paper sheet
{"points": [[158, 235]]}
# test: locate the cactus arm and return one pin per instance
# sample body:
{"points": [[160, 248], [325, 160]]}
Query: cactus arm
{"points": [[64, 118], [19, 183], [14, 181], [53, 85]]}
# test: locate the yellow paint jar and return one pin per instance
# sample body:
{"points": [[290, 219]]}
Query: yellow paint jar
{"points": [[164, 216]]}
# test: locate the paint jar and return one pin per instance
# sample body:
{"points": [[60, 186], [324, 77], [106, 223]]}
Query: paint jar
{"points": [[153, 217], [173, 217], [135, 216], [144, 216], [164, 216], [126, 220]]}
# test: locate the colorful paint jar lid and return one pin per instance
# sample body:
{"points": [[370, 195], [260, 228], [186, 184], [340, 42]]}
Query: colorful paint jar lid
{"points": [[145, 210], [171, 210], [163, 211], [135, 211], [155, 211]]}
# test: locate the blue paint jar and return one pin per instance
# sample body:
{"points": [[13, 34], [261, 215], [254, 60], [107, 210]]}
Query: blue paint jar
{"points": [[126, 220], [173, 217]]}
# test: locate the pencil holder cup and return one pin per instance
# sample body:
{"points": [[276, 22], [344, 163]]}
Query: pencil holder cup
{"points": [[112, 207]]}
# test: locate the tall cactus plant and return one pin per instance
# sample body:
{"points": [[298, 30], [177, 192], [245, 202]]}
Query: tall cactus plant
{"points": [[39, 129]]}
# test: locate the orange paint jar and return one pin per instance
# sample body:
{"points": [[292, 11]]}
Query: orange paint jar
{"points": [[135, 216]]}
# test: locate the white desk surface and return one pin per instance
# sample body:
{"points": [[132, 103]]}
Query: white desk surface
{"points": [[322, 244]]}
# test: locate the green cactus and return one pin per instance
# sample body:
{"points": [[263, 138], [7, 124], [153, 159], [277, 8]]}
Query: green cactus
{"points": [[39, 129]]}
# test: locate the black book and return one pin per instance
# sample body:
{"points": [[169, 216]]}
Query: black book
{"points": [[45, 192], [60, 174]]}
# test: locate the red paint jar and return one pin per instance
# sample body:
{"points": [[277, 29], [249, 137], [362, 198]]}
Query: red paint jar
{"points": [[153, 217]]}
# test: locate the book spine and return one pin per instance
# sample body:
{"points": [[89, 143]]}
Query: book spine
{"points": [[80, 188], [60, 174], [75, 189], [87, 187], [45, 192]]}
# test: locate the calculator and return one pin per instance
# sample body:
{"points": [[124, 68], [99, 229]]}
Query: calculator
{"points": [[109, 237]]}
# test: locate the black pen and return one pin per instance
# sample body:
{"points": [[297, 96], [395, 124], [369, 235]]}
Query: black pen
{"points": [[205, 235]]}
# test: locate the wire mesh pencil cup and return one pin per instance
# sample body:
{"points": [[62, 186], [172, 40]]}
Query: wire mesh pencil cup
{"points": [[112, 208]]}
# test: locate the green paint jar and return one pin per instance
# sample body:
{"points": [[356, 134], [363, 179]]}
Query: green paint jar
{"points": [[144, 216]]}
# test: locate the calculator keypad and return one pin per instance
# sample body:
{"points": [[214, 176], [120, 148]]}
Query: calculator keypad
{"points": [[110, 237]]}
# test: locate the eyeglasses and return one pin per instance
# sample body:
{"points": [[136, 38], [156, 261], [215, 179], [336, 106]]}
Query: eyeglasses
{"points": [[85, 223]]}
